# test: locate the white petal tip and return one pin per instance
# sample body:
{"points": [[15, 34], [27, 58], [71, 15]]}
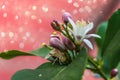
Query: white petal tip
{"points": [[93, 35], [88, 43]]}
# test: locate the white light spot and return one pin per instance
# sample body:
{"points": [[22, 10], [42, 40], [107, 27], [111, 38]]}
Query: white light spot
{"points": [[81, 10], [45, 8], [40, 20], [40, 75], [5, 50], [27, 13], [94, 1], [88, 8], [24, 38], [101, 12], [75, 4], [21, 45], [16, 17], [2, 34], [12, 41], [34, 8], [32, 39], [26, 22], [11, 34], [70, 1], [89, 2], [104, 0], [4, 15], [27, 34], [81, 0], [3, 6], [63, 10], [21, 29], [33, 17], [75, 11]]}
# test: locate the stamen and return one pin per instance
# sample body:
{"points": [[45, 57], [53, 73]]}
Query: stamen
{"points": [[54, 33], [81, 23], [43, 44]]}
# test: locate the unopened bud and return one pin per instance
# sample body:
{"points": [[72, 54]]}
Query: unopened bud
{"points": [[55, 25], [54, 33], [43, 44], [54, 36], [68, 43], [114, 72], [56, 43], [65, 17]]}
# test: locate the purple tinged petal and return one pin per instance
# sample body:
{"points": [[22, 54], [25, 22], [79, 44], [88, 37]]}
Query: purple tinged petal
{"points": [[55, 25], [73, 24], [65, 17], [68, 43], [57, 44], [54, 36]]}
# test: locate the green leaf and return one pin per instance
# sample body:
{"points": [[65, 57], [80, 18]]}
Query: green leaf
{"points": [[112, 56], [111, 46], [44, 72], [101, 32], [42, 52], [12, 54], [113, 28], [118, 67], [48, 71]]}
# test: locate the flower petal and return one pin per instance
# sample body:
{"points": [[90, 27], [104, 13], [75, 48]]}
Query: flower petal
{"points": [[92, 35], [88, 43], [57, 43], [88, 28], [72, 23]]}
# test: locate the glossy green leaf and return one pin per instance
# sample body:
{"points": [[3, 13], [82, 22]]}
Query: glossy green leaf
{"points": [[101, 32], [48, 71], [112, 56], [113, 28], [118, 67], [42, 52], [12, 54], [44, 72], [111, 46]]}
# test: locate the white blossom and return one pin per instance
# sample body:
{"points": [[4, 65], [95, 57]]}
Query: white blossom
{"points": [[80, 31]]}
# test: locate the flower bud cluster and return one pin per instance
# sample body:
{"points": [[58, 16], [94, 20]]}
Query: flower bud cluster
{"points": [[55, 25], [65, 17], [61, 47], [61, 44], [73, 36]]}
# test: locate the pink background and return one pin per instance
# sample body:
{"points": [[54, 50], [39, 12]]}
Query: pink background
{"points": [[24, 25]]}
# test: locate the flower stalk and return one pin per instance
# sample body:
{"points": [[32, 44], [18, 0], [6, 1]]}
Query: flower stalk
{"points": [[97, 68]]}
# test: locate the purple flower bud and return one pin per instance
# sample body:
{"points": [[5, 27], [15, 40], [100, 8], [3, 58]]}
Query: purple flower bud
{"points": [[56, 43], [54, 36], [65, 17], [68, 43], [55, 25], [114, 72]]}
